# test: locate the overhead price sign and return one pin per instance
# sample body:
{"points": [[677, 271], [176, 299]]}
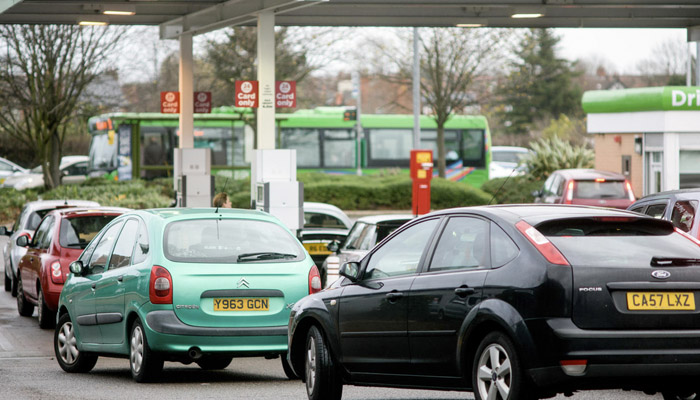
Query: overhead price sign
{"points": [[246, 94], [285, 94], [170, 102]]}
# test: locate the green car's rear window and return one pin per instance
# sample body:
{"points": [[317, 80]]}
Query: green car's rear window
{"points": [[229, 241]]}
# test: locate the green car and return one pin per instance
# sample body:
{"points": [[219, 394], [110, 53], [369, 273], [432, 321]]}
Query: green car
{"points": [[188, 285]]}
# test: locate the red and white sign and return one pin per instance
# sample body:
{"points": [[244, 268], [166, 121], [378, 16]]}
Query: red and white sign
{"points": [[170, 102], [285, 94], [246, 94], [202, 102]]}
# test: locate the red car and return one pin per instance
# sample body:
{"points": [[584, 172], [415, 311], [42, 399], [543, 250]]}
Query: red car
{"points": [[586, 187], [58, 240]]}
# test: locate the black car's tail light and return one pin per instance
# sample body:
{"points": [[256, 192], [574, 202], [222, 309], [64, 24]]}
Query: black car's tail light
{"points": [[574, 367], [161, 286], [314, 280], [541, 243]]}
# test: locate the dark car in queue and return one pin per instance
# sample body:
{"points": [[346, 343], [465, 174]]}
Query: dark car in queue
{"points": [[587, 187], [323, 223], [25, 225], [60, 238], [510, 302], [365, 233], [678, 206]]}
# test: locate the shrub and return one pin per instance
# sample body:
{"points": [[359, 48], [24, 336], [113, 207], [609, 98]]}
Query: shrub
{"points": [[552, 154]]}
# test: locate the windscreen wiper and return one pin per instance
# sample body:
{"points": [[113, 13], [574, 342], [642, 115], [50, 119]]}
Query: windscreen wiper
{"points": [[266, 255], [674, 261]]}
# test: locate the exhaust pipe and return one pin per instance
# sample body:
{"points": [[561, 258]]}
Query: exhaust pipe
{"points": [[194, 353]]}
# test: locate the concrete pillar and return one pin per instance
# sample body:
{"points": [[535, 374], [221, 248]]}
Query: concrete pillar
{"points": [[186, 93], [671, 162], [266, 80]]}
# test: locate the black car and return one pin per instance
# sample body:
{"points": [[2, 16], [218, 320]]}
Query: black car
{"points": [[510, 302]]}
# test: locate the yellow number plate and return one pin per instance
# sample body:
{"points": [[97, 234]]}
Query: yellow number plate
{"points": [[241, 304], [660, 301], [317, 248]]}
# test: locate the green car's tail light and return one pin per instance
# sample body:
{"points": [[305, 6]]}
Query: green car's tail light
{"points": [[56, 273], [314, 280], [161, 286]]}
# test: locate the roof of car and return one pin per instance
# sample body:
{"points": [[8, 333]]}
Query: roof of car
{"points": [[536, 213], [513, 149], [693, 193], [330, 209], [378, 219], [582, 173], [48, 204], [168, 213]]}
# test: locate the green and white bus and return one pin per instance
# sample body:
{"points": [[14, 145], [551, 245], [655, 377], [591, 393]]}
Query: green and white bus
{"points": [[126, 145]]}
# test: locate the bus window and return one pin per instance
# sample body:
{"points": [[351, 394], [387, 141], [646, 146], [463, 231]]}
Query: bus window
{"points": [[389, 147], [473, 148], [429, 141], [307, 144], [338, 148], [103, 153], [156, 151], [218, 140]]}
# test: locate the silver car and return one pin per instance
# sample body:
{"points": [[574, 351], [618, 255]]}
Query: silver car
{"points": [[26, 223], [8, 168], [73, 170]]}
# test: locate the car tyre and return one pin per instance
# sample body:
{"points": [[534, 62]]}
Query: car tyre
{"points": [[212, 363], [8, 283], [25, 308], [65, 347], [323, 381], [497, 372], [47, 316], [146, 365], [288, 371], [13, 278]]}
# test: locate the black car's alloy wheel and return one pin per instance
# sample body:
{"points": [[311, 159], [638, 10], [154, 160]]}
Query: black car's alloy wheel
{"points": [[25, 308], [47, 317], [145, 365], [323, 381], [65, 346], [496, 373]]}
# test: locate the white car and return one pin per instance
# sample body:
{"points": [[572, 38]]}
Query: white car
{"points": [[73, 170], [506, 161], [8, 169]]}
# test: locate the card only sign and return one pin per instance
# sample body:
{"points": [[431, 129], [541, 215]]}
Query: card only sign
{"points": [[246, 94]]}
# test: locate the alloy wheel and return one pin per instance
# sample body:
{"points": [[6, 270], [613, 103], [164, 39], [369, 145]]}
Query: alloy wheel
{"points": [[136, 349], [494, 374], [67, 348], [311, 365]]}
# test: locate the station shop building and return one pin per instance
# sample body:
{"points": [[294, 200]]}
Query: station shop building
{"points": [[650, 135]]}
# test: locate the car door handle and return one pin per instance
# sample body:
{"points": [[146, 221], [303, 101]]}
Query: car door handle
{"points": [[121, 278], [464, 291], [394, 296], [93, 286]]}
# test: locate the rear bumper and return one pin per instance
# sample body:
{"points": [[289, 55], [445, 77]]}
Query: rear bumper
{"points": [[635, 359], [166, 333]]}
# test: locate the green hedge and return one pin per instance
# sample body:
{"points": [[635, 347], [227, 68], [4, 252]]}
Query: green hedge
{"points": [[516, 190]]}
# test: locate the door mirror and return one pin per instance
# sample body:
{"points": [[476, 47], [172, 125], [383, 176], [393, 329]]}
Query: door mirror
{"points": [[536, 193], [76, 267], [22, 241], [333, 246], [4, 231], [350, 270]]}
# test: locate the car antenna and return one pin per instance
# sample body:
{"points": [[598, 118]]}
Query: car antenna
{"points": [[65, 202], [500, 187], [223, 191]]}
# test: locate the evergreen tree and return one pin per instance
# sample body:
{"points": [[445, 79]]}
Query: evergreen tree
{"points": [[539, 86]]}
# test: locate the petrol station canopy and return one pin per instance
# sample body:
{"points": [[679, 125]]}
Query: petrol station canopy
{"points": [[200, 16]]}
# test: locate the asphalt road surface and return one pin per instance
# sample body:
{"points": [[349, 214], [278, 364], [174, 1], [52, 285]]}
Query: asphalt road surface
{"points": [[28, 370]]}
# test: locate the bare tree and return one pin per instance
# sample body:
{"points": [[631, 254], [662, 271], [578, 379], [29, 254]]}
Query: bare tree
{"points": [[668, 61], [451, 61], [43, 72]]}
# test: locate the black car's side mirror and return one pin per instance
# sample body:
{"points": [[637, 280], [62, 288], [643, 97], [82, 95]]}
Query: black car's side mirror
{"points": [[350, 270], [333, 246], [76, 267], [536, 193], [4, 231], [22, 241]]}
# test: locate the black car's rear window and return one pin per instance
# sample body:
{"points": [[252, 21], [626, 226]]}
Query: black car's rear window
{"points": [[600, 190], [229, 241], [618, 242], [77, 232]]}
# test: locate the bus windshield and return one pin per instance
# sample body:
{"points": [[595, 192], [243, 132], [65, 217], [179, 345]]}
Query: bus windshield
{"points": [[103, 154]]}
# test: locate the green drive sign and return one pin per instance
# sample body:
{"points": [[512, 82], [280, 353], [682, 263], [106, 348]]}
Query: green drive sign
{"points": [[667, 98]]}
